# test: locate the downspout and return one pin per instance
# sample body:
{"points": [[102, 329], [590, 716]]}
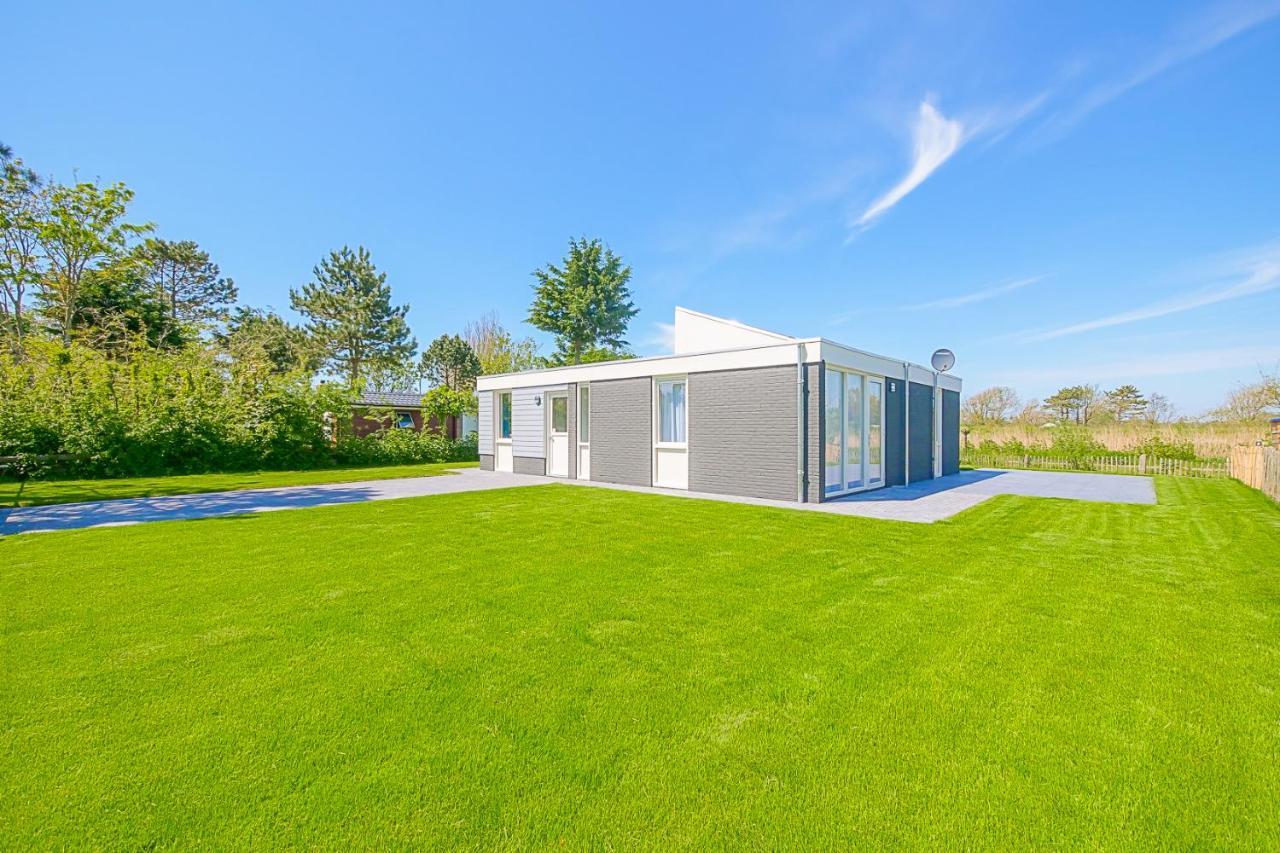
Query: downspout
{"points": [[935, 430], [801, 432], [906, 424]]}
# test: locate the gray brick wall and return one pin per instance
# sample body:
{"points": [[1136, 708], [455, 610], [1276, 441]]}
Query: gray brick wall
{"points": [[813, 430], [528, 465], [622, 431], [486, 462], [742, 432], [573, 431]]}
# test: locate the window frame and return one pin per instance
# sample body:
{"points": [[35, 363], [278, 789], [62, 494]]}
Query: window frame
{"points": [[658, 382], [507, 397], [865, 405], [400, 415], [584, 393]]}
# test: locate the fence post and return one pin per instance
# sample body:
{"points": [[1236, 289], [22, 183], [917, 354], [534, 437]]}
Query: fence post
{"points": [[1142, 463]]}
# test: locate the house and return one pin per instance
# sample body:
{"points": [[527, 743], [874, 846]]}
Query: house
{"points": [[369, 411], [734, 410]]}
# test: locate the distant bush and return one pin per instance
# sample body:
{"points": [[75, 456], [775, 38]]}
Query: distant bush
{"points": [[1157, 447], [404, 447], [1076, 444]]}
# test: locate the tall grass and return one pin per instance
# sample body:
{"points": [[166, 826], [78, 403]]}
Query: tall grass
{"points": [[1210, 440]]}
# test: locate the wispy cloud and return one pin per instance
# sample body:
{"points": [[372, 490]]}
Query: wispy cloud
{"points": [[661, 338], [1192, 38], [1246, 274], [976, 296], [935, 138]]}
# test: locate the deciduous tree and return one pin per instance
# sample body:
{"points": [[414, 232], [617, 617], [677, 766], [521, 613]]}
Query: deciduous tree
{"points": [[996, 404], [22, 207], [585, 302], [350, 315], [497, 350], [266, 335], [443, 402], [83, 234]]}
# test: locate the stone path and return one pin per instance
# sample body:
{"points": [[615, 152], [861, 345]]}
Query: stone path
{"points": [[929, 501]]}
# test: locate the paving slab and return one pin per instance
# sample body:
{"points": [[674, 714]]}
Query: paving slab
{"points": [[932, 500]]}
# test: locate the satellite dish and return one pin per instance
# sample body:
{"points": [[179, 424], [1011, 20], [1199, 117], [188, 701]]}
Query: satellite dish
{"points": [[943, 360]]}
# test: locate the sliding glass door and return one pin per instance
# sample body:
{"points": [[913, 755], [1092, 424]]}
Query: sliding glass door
{"points": [[853, 448]]}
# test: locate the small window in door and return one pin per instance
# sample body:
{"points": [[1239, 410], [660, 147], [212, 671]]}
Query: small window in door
{"points": [[584, 415], [559, 414], [504, 415]]}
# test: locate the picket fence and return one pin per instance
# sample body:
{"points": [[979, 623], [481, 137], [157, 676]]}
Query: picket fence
{"points": [[1112, 463], [1258, 467]]}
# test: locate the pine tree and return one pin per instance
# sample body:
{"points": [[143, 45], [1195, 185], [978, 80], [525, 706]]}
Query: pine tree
{"points": [[585, 303], [451, 363], [189, 285], [1126, 402], [351, 318]]}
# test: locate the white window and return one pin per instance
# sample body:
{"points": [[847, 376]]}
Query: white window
{"points": [[504, 416], [560, 414], [673, 414], [404, 420]]}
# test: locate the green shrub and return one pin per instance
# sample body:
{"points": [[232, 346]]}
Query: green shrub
{"points": [[142, 411], [404, 447], [1158, 447]]}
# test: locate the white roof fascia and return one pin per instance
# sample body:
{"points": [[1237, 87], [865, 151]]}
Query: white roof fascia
{"points": [[661, 365], [867, 362]]}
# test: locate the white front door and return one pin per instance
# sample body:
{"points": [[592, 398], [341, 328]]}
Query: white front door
{"points": [[558, 434]]}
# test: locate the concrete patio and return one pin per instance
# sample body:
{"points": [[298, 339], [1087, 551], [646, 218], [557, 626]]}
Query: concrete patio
{"points": [[925, 502]]}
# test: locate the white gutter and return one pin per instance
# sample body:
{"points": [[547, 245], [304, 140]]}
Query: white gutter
{"points": [[935, 431]]}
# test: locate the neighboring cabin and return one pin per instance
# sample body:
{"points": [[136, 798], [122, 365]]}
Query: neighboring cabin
{"points": [[368, 415], [735, 410]]}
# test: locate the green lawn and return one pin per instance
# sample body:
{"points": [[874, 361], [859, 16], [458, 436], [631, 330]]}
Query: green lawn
{"points": [[39, 492], [559, 666]]}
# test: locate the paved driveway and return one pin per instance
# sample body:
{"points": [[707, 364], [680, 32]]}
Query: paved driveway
{"points": [[930, 501]]}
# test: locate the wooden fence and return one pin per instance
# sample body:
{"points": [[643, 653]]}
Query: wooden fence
{"points": [[1117, 463], [1258, 467]]}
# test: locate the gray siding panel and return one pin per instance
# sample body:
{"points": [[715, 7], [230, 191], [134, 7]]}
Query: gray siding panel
{"points": [[622, 431], [486, 461], [813, 431], [950, 432], [484, 419], [743, 432], [895, 445], [527, 428], [921, 437], [529, 421], [528, 465]]}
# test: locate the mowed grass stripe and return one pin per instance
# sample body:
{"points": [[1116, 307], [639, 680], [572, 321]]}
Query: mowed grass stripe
{"points": [[555, 664]]}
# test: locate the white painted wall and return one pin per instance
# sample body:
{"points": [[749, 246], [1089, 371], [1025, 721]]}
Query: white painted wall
{"points": [[484, 417], [529, 420], [698, 332]]}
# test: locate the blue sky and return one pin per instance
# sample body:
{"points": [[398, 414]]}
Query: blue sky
{"points": [[1064, 194]]}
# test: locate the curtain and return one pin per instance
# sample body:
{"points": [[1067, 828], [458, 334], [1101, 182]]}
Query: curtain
{"points": [[671, 411]]}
